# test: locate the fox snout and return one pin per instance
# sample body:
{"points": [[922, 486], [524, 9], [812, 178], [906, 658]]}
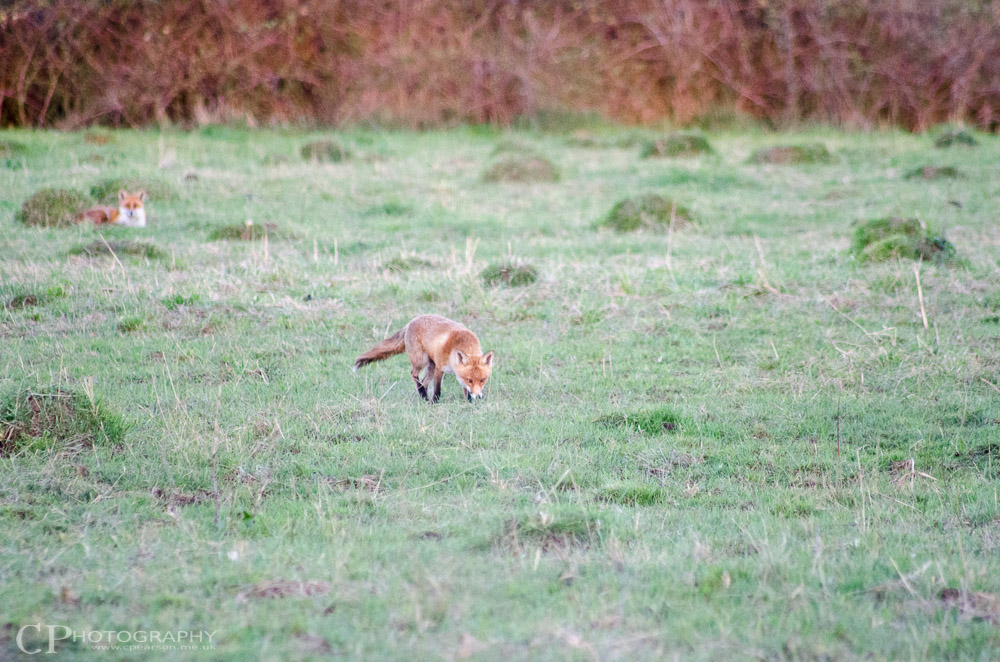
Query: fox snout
{"points": [[473, 386]]}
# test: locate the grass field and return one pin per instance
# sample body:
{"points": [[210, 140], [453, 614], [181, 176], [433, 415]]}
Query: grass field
{"points": [[733, 439]]}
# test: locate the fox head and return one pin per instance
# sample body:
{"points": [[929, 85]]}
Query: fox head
{"points": [[130, 209], [473, 371]]}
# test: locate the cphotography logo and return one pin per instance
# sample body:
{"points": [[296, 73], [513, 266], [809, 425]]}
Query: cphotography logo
{"points": [[42, 638]]}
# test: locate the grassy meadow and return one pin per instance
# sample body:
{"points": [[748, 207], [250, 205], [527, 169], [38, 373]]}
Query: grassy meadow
{"points": [[726, 438]]}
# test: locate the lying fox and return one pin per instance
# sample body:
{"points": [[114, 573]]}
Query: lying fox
{"points": [[130, 211], [440, 345]]}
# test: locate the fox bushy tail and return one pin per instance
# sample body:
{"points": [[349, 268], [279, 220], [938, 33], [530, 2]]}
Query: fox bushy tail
{"points": [[391, 346]]}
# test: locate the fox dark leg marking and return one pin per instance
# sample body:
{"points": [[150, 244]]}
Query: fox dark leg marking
{"points": [[468, 396], [438, 376], [426, 381], [415, 373]]}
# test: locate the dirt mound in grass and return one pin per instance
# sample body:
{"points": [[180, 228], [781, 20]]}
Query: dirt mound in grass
{"points": [[388, 208], [650, 422], [955, 137], [402, 263], [933, 172], [53, 207], [554, 528], [12, 154], [246, 232], [591, 140], [284, 589], [793, 154], [98, 138], [521, 168], [676, 145], [881, 239], [634, 495], [58, 417], [22, 301], [9, 149], [107, 190], [275, 160], [645, 212], [120, 247], [511, 274], [324, 151], [510, 146]]}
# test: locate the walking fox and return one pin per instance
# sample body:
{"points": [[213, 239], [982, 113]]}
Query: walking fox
{"points": [[130, 211], [441, 346]]}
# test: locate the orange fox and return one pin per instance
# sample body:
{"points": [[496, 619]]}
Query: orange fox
{"points": [[130, 212], [440, 345]]}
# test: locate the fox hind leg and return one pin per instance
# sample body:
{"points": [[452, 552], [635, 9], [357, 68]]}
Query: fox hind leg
{"points": [[421, 391], [429, 378], [438, 376], [415, 373]]}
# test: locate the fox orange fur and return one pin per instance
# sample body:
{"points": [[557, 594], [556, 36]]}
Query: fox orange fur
{"points": [[441, 346], [130, 211]]}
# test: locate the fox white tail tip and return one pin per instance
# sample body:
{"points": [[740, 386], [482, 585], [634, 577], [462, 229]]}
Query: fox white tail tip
{"points": [[355, 368]]}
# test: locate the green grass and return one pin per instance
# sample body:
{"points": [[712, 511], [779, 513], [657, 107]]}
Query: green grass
{"points": [[245, 232], [119, 247], [157, 190], [736, 441]]}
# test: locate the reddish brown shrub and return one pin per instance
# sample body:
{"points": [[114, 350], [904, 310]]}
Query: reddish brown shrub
{"points": [[432, 62]]}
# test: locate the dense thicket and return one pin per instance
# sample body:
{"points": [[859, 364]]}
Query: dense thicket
{"points": [[429, 62]]}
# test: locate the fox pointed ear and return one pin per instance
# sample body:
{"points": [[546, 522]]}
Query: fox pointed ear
{"points": [[488, 358], [121, 195], [142, 195], [462, 358]]}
